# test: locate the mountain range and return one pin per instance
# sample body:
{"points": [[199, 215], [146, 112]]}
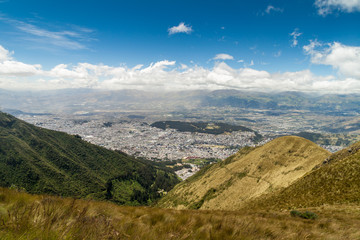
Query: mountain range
{"points": [[73, 100]]}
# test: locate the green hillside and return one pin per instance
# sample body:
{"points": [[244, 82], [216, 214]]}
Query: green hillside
{"points": [[45, 161], [248, 174], [204, 127], [336, 181]]}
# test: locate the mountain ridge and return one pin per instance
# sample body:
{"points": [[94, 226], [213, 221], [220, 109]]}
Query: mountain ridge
{"points": [[335, 181], [246, 175], [51, 162]]}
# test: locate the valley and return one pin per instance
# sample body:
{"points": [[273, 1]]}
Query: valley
{"points": [[277, 189], [140, 139], [180, 120]]}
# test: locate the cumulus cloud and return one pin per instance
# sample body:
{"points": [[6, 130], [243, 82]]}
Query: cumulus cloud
{"points": [[4, 54], [295, 34], [181, 28], [14, 68], [271, 8], [223, 56], [169, 76], [183, 66], [9, 67], [346, 59], [326, 7]]}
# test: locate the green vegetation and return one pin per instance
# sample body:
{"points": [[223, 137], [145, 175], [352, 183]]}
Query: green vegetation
{"points": [[200, 127], [210, 194], [305, 215], [330, 138], [25, 216], [202, 161], [45, 161], [314, 137], [175, 165], [204, 127]]}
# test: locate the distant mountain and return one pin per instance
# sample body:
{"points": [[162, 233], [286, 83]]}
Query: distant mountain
{"points": [[91, 100], [335, 104], [335, 181], [45, 161], [16, 112], [73, 100], [248, 174]]}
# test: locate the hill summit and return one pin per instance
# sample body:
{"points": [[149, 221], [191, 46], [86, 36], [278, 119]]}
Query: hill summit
{"points": [[335, 181], [248, 174]]}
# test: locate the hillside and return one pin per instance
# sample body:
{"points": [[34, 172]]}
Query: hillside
{"points": [[200, 127], [25, 216], [246, 175], [45, 161], [204, 127], [336, 181]]}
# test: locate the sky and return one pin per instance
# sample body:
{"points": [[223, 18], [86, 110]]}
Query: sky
{"points": [[255, 45]]}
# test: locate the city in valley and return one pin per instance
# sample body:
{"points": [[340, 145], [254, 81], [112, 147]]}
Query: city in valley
{"points": [[135, 136], [123, 120]]}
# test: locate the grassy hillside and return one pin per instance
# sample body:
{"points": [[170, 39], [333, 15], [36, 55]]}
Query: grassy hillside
{"points": [[45, 161], [246, 175], [204, 127], [337, 181], [24, 216], [200, 127]]}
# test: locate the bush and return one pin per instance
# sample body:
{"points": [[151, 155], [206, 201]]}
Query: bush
{"points": [[305, 215]]}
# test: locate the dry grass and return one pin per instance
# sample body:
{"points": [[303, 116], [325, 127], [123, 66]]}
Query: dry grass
{"points": [[247, 175], [24, 216], [337, 181]]}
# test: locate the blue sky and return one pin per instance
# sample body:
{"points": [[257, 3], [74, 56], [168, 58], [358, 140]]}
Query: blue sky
{"points": [[49, 39]]}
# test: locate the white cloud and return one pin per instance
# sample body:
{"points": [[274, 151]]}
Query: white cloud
{"points": [[181, 28], [4, 54], [169, 76], [346, 59], [295, 34], [272, 8], [9, 67], [326, 7], [183, 66], [223, 56], [14, 68]]}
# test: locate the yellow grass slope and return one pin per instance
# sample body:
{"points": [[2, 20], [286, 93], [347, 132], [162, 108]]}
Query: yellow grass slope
{"points": [[251, 172], [337, 181], [24, 216]]}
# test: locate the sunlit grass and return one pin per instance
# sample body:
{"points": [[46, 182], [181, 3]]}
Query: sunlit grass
{"points": [[24, 216]]}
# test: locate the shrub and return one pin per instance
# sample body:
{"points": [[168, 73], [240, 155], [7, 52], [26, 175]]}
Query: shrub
{"points": [[305, 215]]}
